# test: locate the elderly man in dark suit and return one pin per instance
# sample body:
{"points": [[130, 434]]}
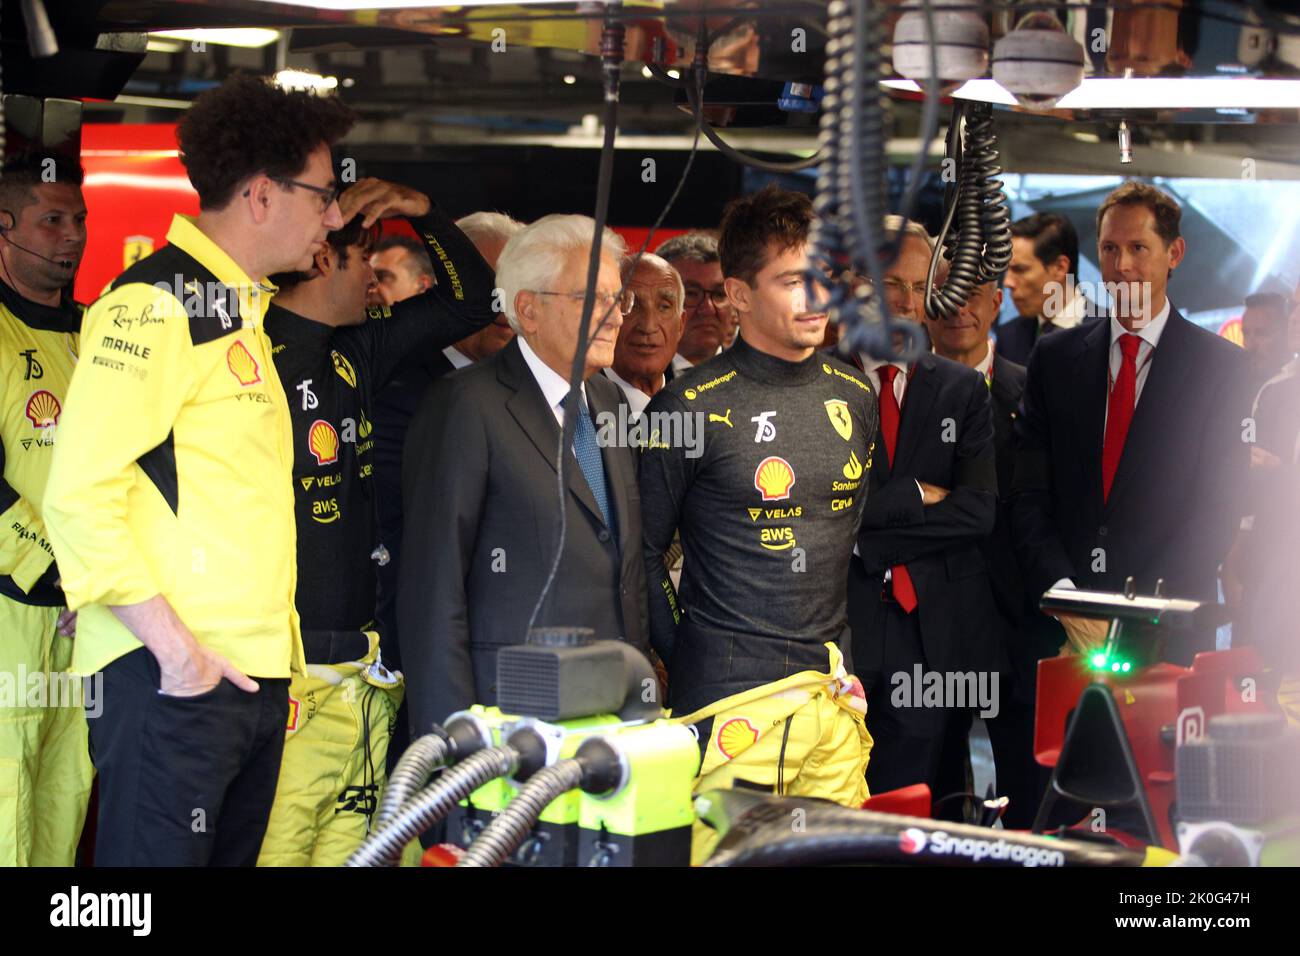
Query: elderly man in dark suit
{"points": [[920, 599], [482, 516], [1132, 458]]}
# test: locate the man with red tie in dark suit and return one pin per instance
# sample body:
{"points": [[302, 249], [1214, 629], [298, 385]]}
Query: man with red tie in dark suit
{"points": [[920, 598], [1131, 455]]}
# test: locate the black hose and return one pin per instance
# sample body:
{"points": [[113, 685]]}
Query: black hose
{"points": [[433, 803], [511, 826], [980, 248]]}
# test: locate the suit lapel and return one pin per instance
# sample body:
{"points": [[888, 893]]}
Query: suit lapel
{"points": [[529, 409], [1151, 418], [1088, 400], [619, 469], [922, 387]]}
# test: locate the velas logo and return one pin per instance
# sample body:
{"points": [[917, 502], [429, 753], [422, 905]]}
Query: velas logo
{"points": [[911, 840], [736, 736], [42, 409], [242, 365], [774, 478], [323, 441]]}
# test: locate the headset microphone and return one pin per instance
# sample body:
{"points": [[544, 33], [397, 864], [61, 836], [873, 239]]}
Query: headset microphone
{"points": [[61, 263]]}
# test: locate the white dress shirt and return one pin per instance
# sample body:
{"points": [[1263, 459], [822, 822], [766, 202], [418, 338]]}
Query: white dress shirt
{"points": [[637, 400], [1071, 314], [553, 387], [1150, 336], [871, 366], [457, 358], [681, 364]]}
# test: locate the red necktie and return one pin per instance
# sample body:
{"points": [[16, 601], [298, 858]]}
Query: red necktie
{"points": [[1119, 412], [904, 592]]}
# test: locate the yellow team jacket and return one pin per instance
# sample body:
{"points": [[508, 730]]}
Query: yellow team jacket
{"points": [[38, 348], [173, 470]]}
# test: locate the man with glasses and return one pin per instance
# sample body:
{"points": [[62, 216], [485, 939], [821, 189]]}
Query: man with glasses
{"points": [[170, 500], [479, 489], [920, 601], [709, 322]]}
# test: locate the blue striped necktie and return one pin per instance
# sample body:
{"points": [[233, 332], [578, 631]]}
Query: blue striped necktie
{"points": [[587, 451]]}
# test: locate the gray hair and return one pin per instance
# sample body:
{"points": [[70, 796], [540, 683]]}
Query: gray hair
{"points": [[690, 247], [538, 252], [488, 227], [909, 227], [649, 258]]}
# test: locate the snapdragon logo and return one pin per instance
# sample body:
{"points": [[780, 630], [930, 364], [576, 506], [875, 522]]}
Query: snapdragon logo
{"points": [[76, 909], [915, 841], [661, 430]]}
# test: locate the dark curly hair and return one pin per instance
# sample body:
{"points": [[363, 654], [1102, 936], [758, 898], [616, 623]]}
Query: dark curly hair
{"points": [[247, 126], [751, 223]]}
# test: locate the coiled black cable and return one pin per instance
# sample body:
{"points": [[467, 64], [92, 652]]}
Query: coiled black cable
{"points": [[978, 245]]}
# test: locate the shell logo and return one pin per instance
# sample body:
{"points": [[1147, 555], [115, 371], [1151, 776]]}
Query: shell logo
{"points": [[43, 409], [295, 708], [323, 441], [242, 365], [736, 736], [774, 478]]}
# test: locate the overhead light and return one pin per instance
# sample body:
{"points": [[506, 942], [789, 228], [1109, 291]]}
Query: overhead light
{"points": [[645, 71], [1146, 93], [676, 75], [302, 80], [249, 37], [570, 79]]}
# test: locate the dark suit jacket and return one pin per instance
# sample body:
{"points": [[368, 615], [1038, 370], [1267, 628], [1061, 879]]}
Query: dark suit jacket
{"points": [[940, 544], [481, 528], [1008, 587], [395, 406], [1177, 497], [1016, 339]]}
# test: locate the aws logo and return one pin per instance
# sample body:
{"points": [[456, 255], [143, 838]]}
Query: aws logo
{"points": [[777, 539], [325, 512]]}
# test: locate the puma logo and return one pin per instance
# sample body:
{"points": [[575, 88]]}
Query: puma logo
{"points": [[725, 419]]}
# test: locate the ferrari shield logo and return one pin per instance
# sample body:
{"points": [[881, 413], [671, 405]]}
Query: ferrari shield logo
{"points": [[135, 248], [838, 411]]}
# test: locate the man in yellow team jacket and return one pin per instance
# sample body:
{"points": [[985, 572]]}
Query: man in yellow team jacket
{"points": [[170, 506], [45, 770]]}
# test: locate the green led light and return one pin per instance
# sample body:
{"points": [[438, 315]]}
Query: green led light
{"points": [[1099, 660], [1127, 667], [1115, 666]]}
